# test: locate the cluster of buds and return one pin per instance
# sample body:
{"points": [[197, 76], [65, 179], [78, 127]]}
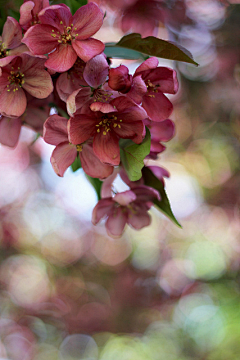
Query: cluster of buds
{"points": [[50, 57]]}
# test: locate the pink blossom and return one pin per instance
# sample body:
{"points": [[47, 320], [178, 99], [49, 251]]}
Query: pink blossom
{"points": [[10, 131], [23, 74], [55, 133], [29, 11], [129, 207], [10, 41], [69, 36], [107, 123]]}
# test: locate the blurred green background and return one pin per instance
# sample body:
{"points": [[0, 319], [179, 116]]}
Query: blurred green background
{"points": [[69, 292]]}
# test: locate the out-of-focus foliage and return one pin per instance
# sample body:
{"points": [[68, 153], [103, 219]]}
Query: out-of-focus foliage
{"points": [[69, 292]]}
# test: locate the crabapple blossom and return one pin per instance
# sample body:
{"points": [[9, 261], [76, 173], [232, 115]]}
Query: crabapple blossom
{"points": [[65, 37]]}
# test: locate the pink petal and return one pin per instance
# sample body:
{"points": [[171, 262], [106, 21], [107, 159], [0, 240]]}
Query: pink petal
{"points": [[12, 33], [125, 198], [13, 104], [55, 130], [139, 220], [119, 79], [57, 16], [39, 39], [159, 172], [38, 83], [81, 128], [146, 193], [156, 148], [102, 209], [148, 64], [26, 13], [10, 131], [3, 81], [62, 157], [162, 131], [96, 71], [138, 89], [106, 189], [158, 107], [130, 130], [116, 222], [92, 165], [62, 59], [87, 49], [105, 108], [106, 148], [87, 21]]}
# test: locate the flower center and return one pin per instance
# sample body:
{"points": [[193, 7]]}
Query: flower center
{"points": [[3, 51], [152, 88], [107, 123], [102, 95], [16, 78], [66, 36]]}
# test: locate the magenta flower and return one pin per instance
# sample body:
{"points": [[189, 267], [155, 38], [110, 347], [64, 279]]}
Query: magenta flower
{"points": [[129, 207], [23, 74], [107, 123], [65, 37], [29, 11], [10, 42], [55, 133]]}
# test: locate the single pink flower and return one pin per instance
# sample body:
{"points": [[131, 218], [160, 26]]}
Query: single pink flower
{"points": [[10, 42], [129, 207], [24, 73], [107, 123], [29, 11], [55, 133], [64, 37], [157, 81]]}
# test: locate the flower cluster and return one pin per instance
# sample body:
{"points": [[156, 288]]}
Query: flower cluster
{"points": [[50, 57]]}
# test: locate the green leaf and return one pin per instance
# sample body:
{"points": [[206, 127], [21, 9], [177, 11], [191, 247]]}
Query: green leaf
{"points": [[132, 156], [163, 205], [116, 52], [76, 164], [156, 47], [97, 184], [75, 4]]}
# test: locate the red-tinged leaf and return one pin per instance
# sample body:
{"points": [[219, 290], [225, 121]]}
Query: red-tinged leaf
{"points": [[156, 47]]}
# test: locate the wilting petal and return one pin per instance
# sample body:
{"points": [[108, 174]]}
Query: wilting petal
{"points": [[148, 64], [87, 49], [62, 59], [116, 222], [13, 104], [106, 148], [12, 33], [77, 99], [102, 209], [55, 130], [81, 128], [10, 131], [62, 157], [96, 71], [125, 198], [158, 107], [87, 20], [139, 220], [92, 165], [39, 39]]}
